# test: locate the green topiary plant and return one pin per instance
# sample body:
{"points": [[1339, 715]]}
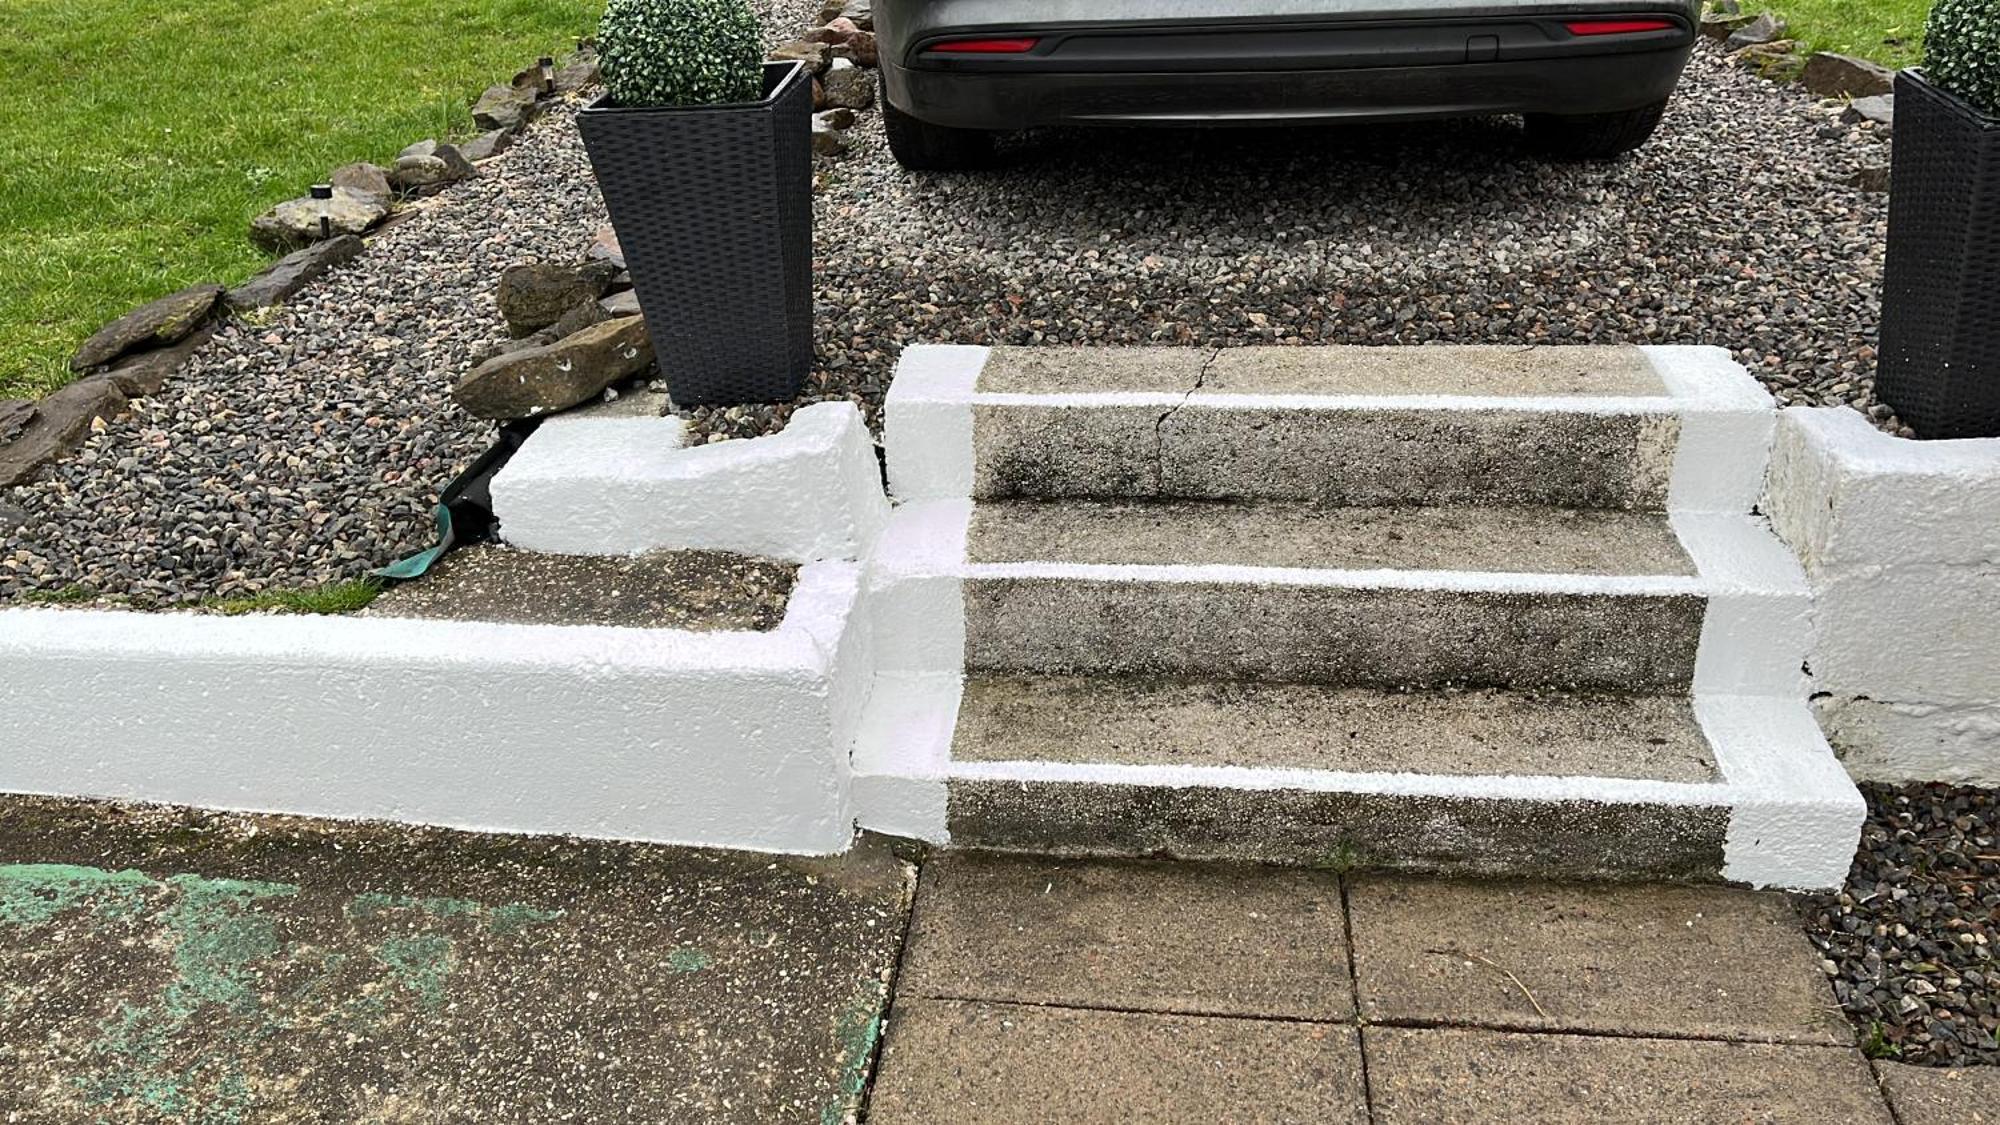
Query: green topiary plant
{"points": [[680, 52], [1962, 52]]}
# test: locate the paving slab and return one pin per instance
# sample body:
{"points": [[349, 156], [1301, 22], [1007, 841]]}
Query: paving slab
{"points": [[1694, 962], [699, 591], [1287, 534], [995, 1064], [174, 966], [1418, 1077], [1200, 939], [1928, 1095]]}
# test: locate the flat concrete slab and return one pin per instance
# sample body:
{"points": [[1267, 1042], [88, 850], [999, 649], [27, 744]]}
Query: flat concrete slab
{"points": [[1280, 534], [1157, 937], [1441, 370], [1926, 1095], [1697, 962], [701, 591], [1048, 371], [1418, 1077], [158, 966], [1302, 726], [947, 1062]]}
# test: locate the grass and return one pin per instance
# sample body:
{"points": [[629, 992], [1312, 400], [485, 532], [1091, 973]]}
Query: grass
{"points": [[143, 135], [1891, 32], [336, 598]]}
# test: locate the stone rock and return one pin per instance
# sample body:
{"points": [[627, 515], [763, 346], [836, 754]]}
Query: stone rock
{"points": [[137, 376], [426, 147], [487, 145], [1879, 110], [840, 118], [1766, 28], [586, 315], [849, 86], [154, 324], [13, 518], [15, 414], [580, 71], [295, 222], [364, 179], [1872, 178], [1726, 8], [814, 55], [293, 272], [1719, 26], [537, 381], [504, 107], [859, 49], [430, 174], [536, 295], [819, 95], [61, 422], [1844, 76], [530, 78], [604, 248], [858, 12], [1777, 60], [828, 139], [623, 303]]}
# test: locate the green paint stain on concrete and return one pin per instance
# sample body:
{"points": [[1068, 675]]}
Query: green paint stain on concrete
{"points": [[515, 917], [854, 1035], [689, 959], [503, 920], [33, 893], [420, 963]]}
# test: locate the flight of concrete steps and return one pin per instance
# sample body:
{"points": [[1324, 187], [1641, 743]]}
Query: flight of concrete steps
{"points": [[1492, 610]]}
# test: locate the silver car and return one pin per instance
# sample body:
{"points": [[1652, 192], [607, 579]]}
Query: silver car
{"points": [[1590, 79]]}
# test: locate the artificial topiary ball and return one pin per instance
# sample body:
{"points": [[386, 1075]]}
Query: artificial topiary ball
{"points": [[1962, 51], [680, 52]]}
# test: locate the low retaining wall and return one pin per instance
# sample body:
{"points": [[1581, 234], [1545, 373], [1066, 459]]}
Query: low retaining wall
{"points": [[720, 739], [1901, 541]]}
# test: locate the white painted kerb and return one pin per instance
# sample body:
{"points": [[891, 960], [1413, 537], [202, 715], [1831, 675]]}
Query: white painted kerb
{"points": [[716, 739], [1901, 543], [619, 486]]}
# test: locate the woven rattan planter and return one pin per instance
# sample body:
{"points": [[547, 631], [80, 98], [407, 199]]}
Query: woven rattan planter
{"points": [[1940, 355], [713, 209]]}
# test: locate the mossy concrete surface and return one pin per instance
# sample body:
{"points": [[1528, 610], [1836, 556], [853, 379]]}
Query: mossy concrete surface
{"points": [[179, 966]]}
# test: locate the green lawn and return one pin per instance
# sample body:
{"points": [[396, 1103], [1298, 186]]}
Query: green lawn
{"points": [[141, 136], [1889, 31]]}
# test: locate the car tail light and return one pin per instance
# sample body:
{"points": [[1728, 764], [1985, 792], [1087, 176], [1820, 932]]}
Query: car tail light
{"points": [[1619, 27], [985, 46]]}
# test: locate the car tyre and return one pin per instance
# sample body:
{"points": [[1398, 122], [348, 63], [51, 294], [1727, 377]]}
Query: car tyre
{"points": [[1594, 136], [923, 147]]}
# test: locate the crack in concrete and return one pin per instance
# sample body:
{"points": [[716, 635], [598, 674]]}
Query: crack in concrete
{"points": [[1160, 423]]}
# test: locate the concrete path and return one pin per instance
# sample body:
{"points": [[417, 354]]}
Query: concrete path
{"points": [[1051, 991], [219, 969]]}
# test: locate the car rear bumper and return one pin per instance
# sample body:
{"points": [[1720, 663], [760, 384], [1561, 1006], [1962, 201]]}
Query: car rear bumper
{"points": [[1392, 70]]}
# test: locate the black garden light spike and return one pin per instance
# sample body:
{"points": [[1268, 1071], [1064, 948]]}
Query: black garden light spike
{"points": [[548, 65], [324, 193]]}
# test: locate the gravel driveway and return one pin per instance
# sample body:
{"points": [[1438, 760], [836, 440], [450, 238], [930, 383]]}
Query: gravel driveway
{"points": [[310, 449]]}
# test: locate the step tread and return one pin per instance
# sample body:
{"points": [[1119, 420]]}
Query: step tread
{"points": [[1303, 535], [1464, 733], [1487, 371]]}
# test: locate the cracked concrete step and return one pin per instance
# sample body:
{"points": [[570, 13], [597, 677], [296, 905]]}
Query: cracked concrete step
{"points": [[1294, 773], [1585, 427], [1392, 597]]}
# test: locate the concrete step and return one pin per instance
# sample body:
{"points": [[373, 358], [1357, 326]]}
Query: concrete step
{"points": [[1738, 788], [1642, 429], [1393, 598]]}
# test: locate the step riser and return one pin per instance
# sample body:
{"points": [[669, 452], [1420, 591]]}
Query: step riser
{"points": [[1333, 635], [1367, 458], [1449, 835]]}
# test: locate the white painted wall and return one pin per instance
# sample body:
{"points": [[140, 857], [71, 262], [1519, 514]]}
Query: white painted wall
{"points": [[621, 486], [717, 739], [1901, 542]]}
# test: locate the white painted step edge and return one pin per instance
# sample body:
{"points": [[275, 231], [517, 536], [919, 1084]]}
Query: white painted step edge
{"points": [[622, 486], [1794, 816], [737, 740], [1727, 419]]}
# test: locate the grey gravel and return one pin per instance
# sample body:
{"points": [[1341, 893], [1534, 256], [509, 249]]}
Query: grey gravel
{"points": [[1912, 941], [310, 448]]}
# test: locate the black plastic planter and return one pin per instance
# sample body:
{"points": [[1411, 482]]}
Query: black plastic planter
{"points": [[713, 209], [1940, 354]]}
